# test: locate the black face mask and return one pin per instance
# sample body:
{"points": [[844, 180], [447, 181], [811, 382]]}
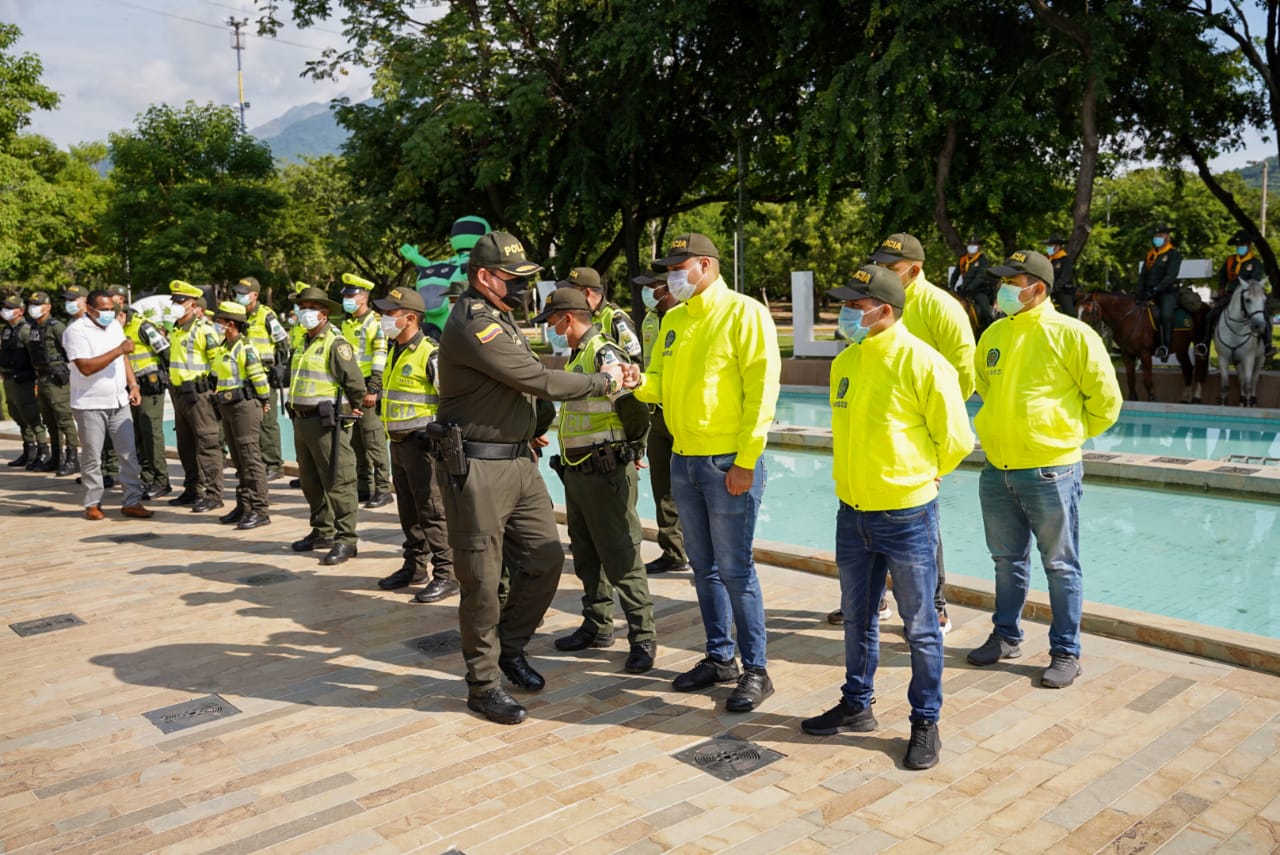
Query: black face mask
{"points": [[516, 289]]}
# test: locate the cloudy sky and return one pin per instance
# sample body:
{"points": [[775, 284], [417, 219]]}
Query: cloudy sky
{"points": [[111, 59]]}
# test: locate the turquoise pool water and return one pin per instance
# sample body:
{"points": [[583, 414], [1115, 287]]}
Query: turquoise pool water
{"points": [[1191, 435]]}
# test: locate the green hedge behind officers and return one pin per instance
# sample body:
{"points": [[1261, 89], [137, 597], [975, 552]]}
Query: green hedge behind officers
{"points": [[497, 393], [242, 395], [410, 399], [369, 441], [326, 378], [601, 437], [53, 386], [150, 360], [267, 335], [191, 348], [20, 382]]}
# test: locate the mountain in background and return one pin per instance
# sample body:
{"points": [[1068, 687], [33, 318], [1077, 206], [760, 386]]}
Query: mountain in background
{"points": [[1252, 174], [309, 130]]}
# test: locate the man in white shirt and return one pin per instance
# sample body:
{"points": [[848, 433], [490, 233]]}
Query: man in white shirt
{"points": [[102, 389]]}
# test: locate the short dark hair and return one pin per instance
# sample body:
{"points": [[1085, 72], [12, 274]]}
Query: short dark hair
{"points": [[97, 293]]}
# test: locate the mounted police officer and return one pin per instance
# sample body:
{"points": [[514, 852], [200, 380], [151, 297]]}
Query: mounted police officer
{"points": [[494, 400], [1158, 282], [242, 395], [20, 383], [1064, 280], [53, 387], [191, 349], [271, 340], [325, 378], [607, 316], [150, 360], [600, 438], [1241, 266], [409, 403], [969, 279], [369, 440]]}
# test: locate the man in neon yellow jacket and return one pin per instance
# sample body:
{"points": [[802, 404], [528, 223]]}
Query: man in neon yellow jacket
{"points": [[1047, 385], [715, 372], [898, 424]]}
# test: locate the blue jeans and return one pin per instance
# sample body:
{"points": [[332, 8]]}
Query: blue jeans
{"points": [[718, 533], [904, 544], [1045, 502]]}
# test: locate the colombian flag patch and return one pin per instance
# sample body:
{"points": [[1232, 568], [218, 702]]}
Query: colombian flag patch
{"points": [[489, 333]]}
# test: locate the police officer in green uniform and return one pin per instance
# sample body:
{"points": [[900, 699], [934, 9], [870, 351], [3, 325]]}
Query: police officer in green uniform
{"points": [[297, 338], [658, 301], [1064, 280], [607, 316], [150, 359], [53, 387], [497, 393], [600, 439], [1158, 282], [1241, 266], [191, 349], [409, 403], [271, 340], [241, 396], [20, 382], [969, 278], [363, 330], [324, 371]]}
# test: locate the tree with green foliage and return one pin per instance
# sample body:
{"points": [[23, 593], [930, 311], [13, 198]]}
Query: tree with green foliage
{"points": [[192, 197]]}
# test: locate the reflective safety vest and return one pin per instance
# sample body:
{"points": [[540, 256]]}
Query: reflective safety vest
{"points": [[312, 383], [297, 338], [143, 334], [649, 329], [590, 421], [409, 397], [617, 327], [238, 368], [369, 342], [190, 352], [259, 333]]}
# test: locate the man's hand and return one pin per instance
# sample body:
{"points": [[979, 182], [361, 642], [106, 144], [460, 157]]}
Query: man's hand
{"points": [[125, 346], [738, 480], [370, 400], [135, 395], [615, 373], [357, 413], [539, 441]]}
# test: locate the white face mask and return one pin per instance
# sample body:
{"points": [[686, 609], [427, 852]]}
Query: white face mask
{"points": [[679, 286], [309, 318], [972, 248], [36, 311], [220, 328], [10, 314], [390, 326]]}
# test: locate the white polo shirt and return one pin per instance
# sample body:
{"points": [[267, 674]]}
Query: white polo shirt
{"points": [[108, 389]]}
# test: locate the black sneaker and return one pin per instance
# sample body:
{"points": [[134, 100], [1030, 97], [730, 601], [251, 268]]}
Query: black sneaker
{"points": [[993, 650], [842, 718], [1062, 671], [497, 706], [665, 564], [437, 589], [705, 674], [584, 637], [641, 657], [922, 750], [753, 687]]}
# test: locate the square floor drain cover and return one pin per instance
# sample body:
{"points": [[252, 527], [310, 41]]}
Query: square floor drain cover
{"points": [[438, 643], [1093, 455], [271, 577], [727, 757], [190, 713], [47, 624], [1176, 461], [1235, 470], [135, 538]]}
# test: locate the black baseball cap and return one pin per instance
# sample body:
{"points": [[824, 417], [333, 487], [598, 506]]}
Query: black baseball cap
{"points": [[896, 247], [649, 279], [1055, 240], [692, 245], [1161, 229], [563, 300], [74, 292], [870, 280], [1025, 261], [501, 251], [1240, 237]]}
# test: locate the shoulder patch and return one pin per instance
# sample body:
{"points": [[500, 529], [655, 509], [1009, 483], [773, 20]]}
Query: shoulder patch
{"points": [[671, 338], [993, 357], [489, 333], [344, 350], [843, 389]]}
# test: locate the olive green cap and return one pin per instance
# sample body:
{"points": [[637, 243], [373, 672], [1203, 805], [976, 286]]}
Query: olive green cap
{"points": [[871, 280], [1025, 261], [896, 247], [248, 285], [582, 277], [74, 292], [13, 301], [231, 311], [563, 300], [692, 245], [400, 298], [38, 298], [501, 251], [315, 295]]}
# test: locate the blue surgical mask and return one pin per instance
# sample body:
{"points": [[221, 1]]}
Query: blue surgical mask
{"points": [[220, 329], [1157, 242], [309, 318], [1007, 298], [349, 305], [72, 307], [1050, 250], [647, 297], [242, 299], [973, 248], [1242, 250], [557, 341], [850, 324], [104, 319]]}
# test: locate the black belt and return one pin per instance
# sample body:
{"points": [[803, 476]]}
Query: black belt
{"points": [[496, 450], [233, 396]]}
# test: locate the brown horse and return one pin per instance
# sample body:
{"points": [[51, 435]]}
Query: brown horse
{"points": [[969, 311], [1135, 335]]}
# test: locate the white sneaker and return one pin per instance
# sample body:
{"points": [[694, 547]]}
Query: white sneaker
{"points": [[885, 611], [944, 622]]}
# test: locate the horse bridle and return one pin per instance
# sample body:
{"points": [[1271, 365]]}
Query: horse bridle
{"points": [[1248, 332]]}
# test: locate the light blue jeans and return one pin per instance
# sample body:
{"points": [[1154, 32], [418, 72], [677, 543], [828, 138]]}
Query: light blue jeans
{"points": [[1045, 503], [719, 530]]}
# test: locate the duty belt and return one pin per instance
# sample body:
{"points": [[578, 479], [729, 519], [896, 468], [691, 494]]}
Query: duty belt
{"points": [[496, 450]]}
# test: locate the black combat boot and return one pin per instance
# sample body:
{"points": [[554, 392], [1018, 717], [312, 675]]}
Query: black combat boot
{"points": [[28, 455], [45, 460], [70, 462]]}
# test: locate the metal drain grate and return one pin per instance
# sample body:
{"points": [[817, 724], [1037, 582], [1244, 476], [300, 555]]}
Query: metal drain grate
{"points": [[728, 757], [1174, 461], [134, 538], [190, 713], [1102, 458], [1235, 470], [271, 577], [43, 625], [438, 643]]}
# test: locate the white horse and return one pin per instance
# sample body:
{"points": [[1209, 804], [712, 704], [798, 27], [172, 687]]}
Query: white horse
{"points": [[1238, 339]]}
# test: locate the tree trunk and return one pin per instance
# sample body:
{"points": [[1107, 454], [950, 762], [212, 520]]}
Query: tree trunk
{"points": [[1228, 200], [1081, 222], [940, 178]]}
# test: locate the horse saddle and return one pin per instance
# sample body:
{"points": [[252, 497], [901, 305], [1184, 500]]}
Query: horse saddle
{"points": [[1181, 320]]}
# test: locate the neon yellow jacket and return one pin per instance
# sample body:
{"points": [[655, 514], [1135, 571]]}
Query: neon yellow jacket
{"points": [[1047, 385], [716, 371], [898, 421], [939, 321]]}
